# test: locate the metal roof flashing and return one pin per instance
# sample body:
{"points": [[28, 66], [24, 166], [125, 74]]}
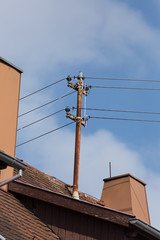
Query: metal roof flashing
{"points": [[10, 64]]}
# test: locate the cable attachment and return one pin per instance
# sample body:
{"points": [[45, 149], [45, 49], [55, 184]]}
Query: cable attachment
{"points": [[86, 90], [85, 119]]}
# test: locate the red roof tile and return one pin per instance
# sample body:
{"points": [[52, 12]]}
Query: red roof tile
{"points": [[39, 179], [16, 222]]}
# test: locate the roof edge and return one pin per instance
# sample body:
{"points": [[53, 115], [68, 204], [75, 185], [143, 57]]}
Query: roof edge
{"points": [[62, 200], [79, 200], [10, 64]]}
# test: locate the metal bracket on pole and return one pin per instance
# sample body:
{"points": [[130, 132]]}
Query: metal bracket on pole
{"points": [[76, 119]]}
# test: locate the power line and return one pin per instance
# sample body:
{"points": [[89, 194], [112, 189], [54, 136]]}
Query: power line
{"points": [[123, 79], [127, 88], [39, 90], [55, 100], [113, 79], [44, 134], [118, 110], [40, 120], [126, 119]]}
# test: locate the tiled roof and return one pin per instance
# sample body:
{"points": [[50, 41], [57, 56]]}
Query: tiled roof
{"points": [[16, 222], [39, 179]]}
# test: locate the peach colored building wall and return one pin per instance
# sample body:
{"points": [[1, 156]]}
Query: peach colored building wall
{"points": [[139, 200], [9, 99], [115, 194], [127, 194]]}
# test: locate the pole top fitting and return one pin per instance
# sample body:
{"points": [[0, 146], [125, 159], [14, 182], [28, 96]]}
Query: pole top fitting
{"points": [[80, 75]]}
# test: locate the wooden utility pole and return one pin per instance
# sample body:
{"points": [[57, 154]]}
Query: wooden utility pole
{"points": [[81, 89], [77, 139]]}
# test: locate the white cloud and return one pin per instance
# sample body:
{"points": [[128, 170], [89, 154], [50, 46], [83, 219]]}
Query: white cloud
{"points": [[56, 32], [51, 33]]}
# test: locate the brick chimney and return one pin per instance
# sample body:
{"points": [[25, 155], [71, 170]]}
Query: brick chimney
{"points": [[126, 193], [10, 77]]}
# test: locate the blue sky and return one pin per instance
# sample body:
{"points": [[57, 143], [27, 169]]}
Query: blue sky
{"points": [[108, 38]]}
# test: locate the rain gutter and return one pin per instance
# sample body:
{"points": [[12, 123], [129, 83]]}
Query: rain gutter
{"points": [[145, 228], [7, 160], [10, 161]]}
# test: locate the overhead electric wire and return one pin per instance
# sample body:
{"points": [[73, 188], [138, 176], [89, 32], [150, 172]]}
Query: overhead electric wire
{"points": [[43, 105], [39, 120], [39, 90], [96, 78], [44, 134], [123, 79], [126, 119], [118, 110], [126, 88]]}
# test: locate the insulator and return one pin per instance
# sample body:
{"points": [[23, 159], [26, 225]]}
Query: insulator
{"points": [[69, 78], [87, 88], [67, 109]]}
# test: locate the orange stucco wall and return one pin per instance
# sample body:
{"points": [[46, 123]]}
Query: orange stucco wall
{"points": [[116, 195], [9, 99], [139, 201]]}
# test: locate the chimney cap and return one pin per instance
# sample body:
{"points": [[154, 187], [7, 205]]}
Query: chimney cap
{"points": [[10, 64], [123, 176]]}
